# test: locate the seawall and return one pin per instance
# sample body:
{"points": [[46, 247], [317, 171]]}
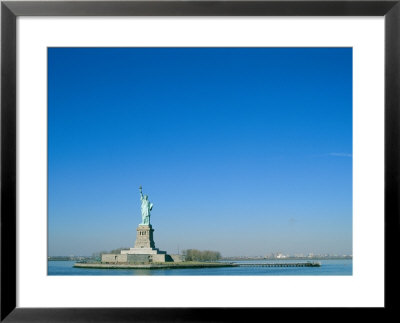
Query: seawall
{"points": [[154, 266]]}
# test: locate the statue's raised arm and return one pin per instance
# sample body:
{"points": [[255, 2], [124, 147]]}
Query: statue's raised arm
{"points": [[141, 193]]}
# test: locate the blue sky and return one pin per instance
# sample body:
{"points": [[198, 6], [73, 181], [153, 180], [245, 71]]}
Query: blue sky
{"points": [[246, 151]]}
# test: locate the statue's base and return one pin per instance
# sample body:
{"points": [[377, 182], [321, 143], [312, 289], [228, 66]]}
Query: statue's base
{"points": [[144, 237], [126, 258], [143, 252]]}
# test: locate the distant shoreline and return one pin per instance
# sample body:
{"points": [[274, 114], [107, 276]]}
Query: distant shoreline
{"points": [[224, 258], [288, 258]]}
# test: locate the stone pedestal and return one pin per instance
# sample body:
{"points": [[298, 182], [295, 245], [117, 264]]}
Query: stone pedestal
{"points": [[144, 250], [144, 237], [144, 244]]}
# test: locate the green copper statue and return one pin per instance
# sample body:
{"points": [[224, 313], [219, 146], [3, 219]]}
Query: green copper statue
{"points": [[146, 208]]}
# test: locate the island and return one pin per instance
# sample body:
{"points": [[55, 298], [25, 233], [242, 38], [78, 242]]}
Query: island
{"points": [[144, 254]]}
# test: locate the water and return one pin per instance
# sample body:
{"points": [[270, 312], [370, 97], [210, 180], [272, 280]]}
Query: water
{"points": [[329, 267]]}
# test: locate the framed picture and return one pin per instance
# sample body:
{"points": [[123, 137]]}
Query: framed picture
{"points": [[264, 133]]}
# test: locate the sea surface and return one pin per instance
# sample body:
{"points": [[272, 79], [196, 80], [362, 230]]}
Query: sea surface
{"points": [[329, 267]]}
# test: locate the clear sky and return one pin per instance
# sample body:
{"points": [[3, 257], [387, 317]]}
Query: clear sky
{"points": [[246, 151]]}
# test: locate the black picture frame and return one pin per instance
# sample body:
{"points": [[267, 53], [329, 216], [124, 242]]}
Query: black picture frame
{"points": [[10, 10]]}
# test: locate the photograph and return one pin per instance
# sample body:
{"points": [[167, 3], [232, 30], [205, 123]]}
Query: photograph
{"points": [[200, 161], [167, 161]]}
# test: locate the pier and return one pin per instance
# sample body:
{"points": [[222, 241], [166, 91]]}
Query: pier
{"points": [[302, 264]]}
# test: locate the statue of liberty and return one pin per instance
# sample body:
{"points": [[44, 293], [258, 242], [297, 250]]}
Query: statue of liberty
{"points": [[146, 208]]}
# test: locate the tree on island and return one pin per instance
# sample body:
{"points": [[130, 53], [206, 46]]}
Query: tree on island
{"points": [[198, 255], [97, 255]]}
